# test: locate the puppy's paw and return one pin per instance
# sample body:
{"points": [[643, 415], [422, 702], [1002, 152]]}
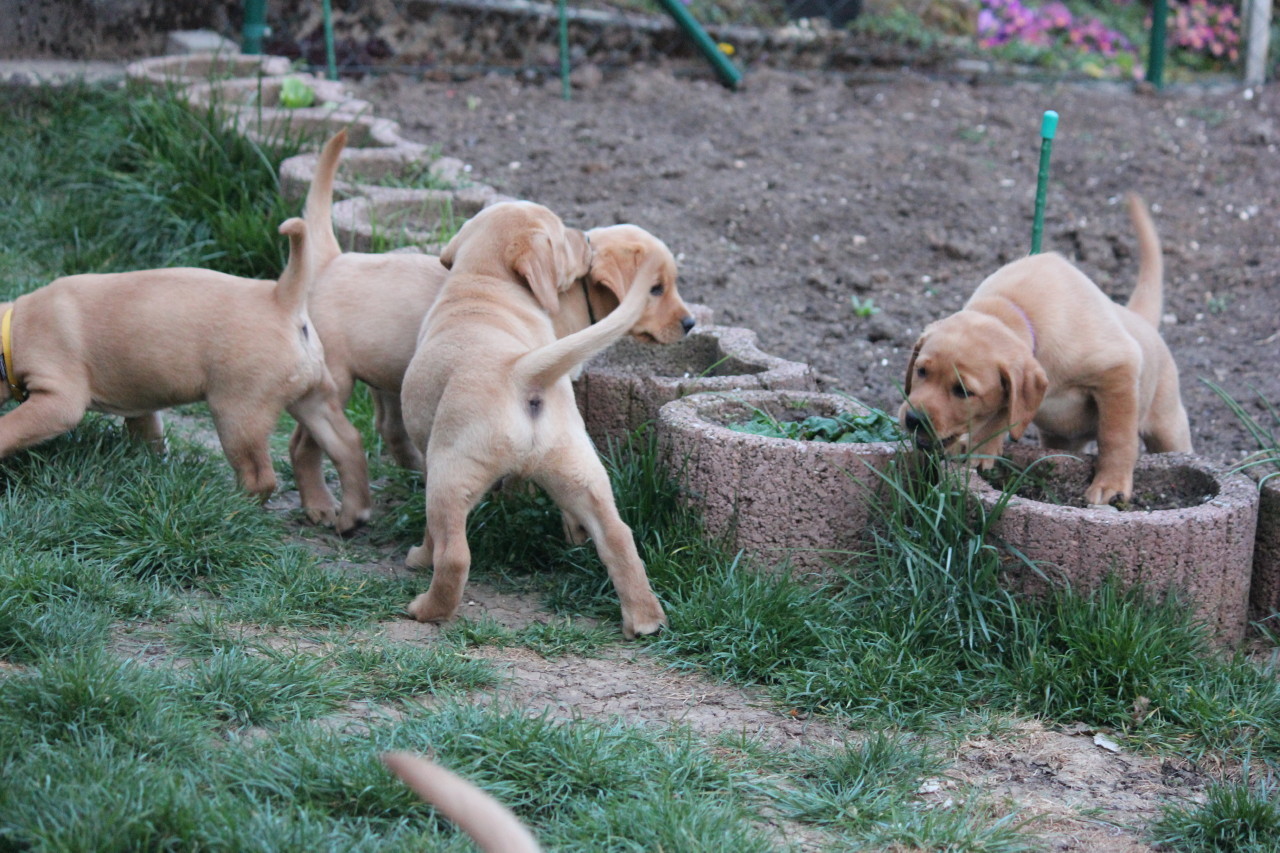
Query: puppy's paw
{"points": [[419, 558], [1103, 490], [326, 515], [574, 532], [349, 520], [643, 621], [424, 609]]}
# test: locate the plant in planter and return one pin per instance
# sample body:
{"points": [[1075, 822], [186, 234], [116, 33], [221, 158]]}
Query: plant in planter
{"points": [[624, 387], [425, 219], [806, 499], [1189, 528]]}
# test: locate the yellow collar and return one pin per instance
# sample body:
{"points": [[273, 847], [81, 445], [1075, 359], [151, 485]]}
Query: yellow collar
{"points": [[6, 366]]}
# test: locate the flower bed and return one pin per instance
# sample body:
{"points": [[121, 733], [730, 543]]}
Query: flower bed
{"points": [[625, 386], [375, 171], [1190, 528], [779, 498], [185, 69], [422, 218]]}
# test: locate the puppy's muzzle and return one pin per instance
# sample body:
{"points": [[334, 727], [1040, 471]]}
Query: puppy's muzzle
{"points": [[921, 430]]}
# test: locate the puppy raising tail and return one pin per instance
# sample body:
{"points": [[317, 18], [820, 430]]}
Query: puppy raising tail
{"points": [[318, 208], [489, 823], [1147, 300], [543, 366], [295, 280]]}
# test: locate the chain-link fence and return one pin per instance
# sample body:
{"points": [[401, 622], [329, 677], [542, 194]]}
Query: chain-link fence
{"points": [[464, 37]]}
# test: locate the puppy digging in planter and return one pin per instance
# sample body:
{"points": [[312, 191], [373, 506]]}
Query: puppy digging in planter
{"points": [[368, 309], [134, 343], [1038, 342], [488, 395]]}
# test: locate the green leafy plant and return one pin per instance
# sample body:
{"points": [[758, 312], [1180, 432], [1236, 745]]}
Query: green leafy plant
{"points": [[841, 428]]}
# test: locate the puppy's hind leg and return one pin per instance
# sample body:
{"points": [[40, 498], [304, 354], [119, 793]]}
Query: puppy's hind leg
{"points": [[244, 431], [389, 420], [453, 488], [148, 428], [321, 414], [584, 494], [307, 457]]}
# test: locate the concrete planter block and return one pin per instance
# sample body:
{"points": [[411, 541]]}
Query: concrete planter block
{"points": [[422, 218], [626, 385], [263, 93], [314, 124], [1203, 550], [810, 501], [1264, 591], [182, 70], [370, 171]]}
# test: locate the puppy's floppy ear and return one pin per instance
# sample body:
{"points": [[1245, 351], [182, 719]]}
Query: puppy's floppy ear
{"points": [[532, 256], [911, 363], [450, 251], [614, 267], [1025, 383]]}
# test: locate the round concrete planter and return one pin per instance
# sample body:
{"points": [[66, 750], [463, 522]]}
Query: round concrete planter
{"points": [[626, 385], [182, 70], [263, 93], [1264, 591], [373, 171], [1202, 550], [422, 218], [777, 498]]}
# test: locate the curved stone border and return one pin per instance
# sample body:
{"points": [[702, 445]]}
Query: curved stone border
{"points": [[361, 168], [184, 69], [1204, 552], [625, 386], [810, 501], [1264, 590], [407, 217], [263, 93], [317, 124]]}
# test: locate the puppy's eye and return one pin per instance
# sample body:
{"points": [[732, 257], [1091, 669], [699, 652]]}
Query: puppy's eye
{"points": [[656, 290], [921, 372], [959, 390]]}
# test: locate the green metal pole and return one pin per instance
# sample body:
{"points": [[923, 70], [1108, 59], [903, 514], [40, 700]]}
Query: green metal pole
{"points": [[1156, 50], [254, 29], [329, 52], [564, 50], [1048, 126], [728, 73]]}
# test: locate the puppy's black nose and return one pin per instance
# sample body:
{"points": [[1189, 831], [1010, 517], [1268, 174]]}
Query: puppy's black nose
{"points": [[912, 421], [688, 323]]}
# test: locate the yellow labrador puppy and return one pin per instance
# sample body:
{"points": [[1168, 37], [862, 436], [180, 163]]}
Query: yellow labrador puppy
{"points": [[134, 343], [368, 309], [488, 395], [1038, 342]]}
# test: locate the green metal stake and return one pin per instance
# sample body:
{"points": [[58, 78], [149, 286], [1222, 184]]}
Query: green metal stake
{"points": [[1048, 125], [728, 73], [329, 52], [254, 29], [1156, 50], [564, 49]]}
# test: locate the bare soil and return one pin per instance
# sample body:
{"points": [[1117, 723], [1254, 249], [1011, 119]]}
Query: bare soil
{"points": [[786, 200]]}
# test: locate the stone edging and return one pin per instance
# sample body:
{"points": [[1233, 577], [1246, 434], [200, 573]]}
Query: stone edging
{"points": [[624, 387]]}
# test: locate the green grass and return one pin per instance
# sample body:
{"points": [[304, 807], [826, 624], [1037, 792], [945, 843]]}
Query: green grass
{"points": [[1241, 816]]}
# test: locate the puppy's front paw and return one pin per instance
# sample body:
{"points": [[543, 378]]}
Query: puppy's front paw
{"points": [[350, 520], [1104, 490], [643, 621], [424, 609]]}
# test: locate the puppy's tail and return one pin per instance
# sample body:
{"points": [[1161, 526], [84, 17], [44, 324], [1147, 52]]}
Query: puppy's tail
{"points": [[1147, 300], [543, 366], [317, 211], [489, 823], [295, 280]]}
